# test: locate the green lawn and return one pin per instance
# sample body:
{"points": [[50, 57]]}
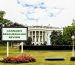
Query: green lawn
{"points": [[40, 56]]}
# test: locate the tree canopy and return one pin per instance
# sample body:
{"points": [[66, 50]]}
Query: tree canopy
{"points": [[4, 21], [56, 38], [67, 34], [2, 13]]}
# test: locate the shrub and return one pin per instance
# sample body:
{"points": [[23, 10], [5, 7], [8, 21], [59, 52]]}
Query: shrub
{"points": [[20, 59], [25, 58], [10, 59]]}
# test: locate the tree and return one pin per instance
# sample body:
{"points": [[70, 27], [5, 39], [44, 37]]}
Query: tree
{"points": [[2, 13], [14, 25], [1, 20], [4, 22], [67, 34], [56, 38]]}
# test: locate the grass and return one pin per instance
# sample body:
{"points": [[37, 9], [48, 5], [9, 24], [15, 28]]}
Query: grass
{"points": [[40, 55]]}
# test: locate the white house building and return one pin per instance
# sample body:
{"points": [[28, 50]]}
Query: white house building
{"points": [[40, 34]]}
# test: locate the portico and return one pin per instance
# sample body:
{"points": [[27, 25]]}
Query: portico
{"points": [[40, 34], [37, 37]]}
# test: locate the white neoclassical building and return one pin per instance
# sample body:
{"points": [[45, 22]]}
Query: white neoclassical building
{"points": [[40, 34]]}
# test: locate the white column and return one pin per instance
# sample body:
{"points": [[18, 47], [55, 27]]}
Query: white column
{"points": [[49, 39], [42, 36], [39, 36], [35, 37], [32, 37], [46, 37]]}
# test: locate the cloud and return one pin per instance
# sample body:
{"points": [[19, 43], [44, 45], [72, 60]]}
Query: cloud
{"points": [[54, 12]]}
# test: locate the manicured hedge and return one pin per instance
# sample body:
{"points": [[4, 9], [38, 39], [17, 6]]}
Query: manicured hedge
{"points": [[46, 47]]}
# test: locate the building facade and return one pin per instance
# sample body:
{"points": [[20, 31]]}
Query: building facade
{"points": [[41, 34]]}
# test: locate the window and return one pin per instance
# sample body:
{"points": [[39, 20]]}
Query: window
{"points": [[37, 33], [40, 32], [37, 39], [40, 38]]}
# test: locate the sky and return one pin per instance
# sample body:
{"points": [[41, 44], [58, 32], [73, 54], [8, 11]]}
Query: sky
{"points": [[57, 13]]}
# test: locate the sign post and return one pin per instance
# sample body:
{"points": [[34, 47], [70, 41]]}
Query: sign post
{"points": [[21, 47], [7, 49]]}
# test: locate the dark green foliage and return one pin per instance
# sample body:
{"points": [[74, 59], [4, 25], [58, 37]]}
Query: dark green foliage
{"points": [[2, 13], [67, 34], [3, 20], [56, 38], [3, 23], [28, 41], [15, 25]]}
